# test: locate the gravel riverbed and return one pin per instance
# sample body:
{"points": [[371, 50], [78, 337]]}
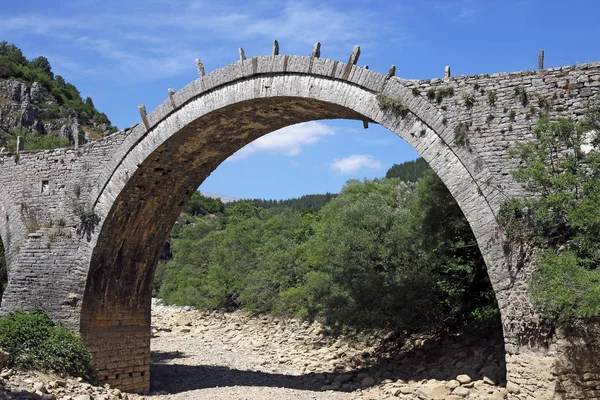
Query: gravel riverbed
{"points": [[214, 356]]}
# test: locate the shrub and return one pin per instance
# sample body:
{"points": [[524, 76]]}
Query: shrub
{"points": [[398, 105], [560, 216], [35, 342], [491, 94], [469, 99]]}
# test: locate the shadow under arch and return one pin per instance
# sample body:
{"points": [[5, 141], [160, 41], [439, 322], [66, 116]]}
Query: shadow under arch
{"points": [[160, 166]]}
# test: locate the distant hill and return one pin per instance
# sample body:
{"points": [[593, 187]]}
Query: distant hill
{"points": [[308, 201], [224, 199], [409, 171], [42, 107]]}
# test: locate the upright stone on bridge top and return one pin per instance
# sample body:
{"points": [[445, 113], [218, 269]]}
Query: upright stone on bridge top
{"points": [[200, 67], [354, 55], [144, 116], [316, 50], [391, 72], [541, 60], [20, 144], [447, 72], [242, 54], [275, 48], [171, 94], [351, 61]]}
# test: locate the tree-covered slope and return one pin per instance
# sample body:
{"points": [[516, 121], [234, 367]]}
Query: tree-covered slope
{"points": [[43, 108]]}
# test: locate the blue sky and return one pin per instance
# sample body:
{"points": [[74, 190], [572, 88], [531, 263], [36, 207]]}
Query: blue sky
{"points": [[127, 52]]}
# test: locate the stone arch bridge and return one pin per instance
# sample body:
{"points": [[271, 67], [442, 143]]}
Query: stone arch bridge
{"points": [[83, 227]]}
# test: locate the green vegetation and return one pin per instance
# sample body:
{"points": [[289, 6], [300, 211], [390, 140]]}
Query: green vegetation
{"points": [[34, 341], [442, 93], [397, 105], [200, 205], [521, 94], [468, 98], [35, 141], [64, 99], [492, 96], [409, 171], [461, 134], [562, 219], [308, 201], [384, 253]]}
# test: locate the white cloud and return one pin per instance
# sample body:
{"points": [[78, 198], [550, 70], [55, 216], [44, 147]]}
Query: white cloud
{"points": [[288, 141], [348, 165], [165, 37]]}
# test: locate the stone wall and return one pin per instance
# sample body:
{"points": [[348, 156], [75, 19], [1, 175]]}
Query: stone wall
{"points": [[40, 193]]}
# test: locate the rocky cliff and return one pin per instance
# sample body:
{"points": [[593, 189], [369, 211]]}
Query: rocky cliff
{"points": [[31, 109], [42, 107]]}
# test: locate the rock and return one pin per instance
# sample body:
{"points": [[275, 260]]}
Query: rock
{"points": [[406, 390], [343, 378], [368, 381], [497, 396], [453, 384], [183, 320], [438, 392], [4, 356], [38, 125], [491, 373], [461, 391], [39, 387], [28, 114], [333, 386], [7, 374], [513, 388], [65, 131], [82, 397], [488, 381], [35, 93], [462, 379]]}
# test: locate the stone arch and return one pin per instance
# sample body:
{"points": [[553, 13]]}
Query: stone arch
{"points": [[160, 164]]}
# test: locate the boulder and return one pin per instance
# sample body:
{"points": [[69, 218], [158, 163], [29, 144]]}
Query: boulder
{"points": [[4, 357]]}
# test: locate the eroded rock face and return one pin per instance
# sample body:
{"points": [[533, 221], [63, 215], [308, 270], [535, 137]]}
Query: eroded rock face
{"points": [[24, 107]]}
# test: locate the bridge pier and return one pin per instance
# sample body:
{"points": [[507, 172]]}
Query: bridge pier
{"points": [[121, 354]]}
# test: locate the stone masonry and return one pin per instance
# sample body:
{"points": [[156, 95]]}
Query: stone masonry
{"points": [[83, 228]]}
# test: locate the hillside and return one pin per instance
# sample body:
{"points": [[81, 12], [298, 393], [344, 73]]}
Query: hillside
{"points": [[42, 107]]}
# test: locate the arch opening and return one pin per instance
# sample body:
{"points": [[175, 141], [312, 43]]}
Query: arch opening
{"points": [[156, 178]]}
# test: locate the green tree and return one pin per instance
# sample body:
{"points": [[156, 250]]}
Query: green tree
{"points": [[199, 205], [409, 171], [12, 53], [42, 64], [560, 216]]}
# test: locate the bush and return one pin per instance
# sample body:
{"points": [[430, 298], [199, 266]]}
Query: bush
{"points": [[560, 216], [35, 342], [34, 141], [383, 254]]}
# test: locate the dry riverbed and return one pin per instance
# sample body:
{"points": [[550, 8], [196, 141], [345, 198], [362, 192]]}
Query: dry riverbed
{"points": [[236, 355]]}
